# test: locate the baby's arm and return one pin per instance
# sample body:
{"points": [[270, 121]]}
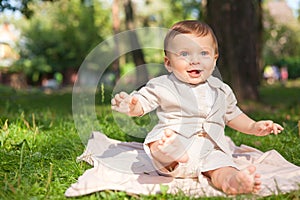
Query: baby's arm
{"points": [[124, 103], [247, 125]]}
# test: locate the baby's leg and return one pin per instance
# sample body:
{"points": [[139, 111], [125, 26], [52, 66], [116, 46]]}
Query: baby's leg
{"points": [[169, 150], [233, 181]]}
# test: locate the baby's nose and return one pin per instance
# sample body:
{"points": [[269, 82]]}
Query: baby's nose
{"points": [[194, 59]]}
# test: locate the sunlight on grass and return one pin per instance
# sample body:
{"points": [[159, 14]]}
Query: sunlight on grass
{"points": [[39, 142]]}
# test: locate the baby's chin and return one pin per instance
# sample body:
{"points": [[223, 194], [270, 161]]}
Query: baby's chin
{"points": [[197, 81], [189, 80]]}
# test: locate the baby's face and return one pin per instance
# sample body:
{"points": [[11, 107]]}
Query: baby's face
{"points": [[191, 58]]}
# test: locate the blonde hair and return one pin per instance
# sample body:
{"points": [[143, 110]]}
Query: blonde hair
{"points": [[190, 27]]}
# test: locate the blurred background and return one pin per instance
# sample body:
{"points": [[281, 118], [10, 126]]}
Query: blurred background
{"points": [[44, 42]]}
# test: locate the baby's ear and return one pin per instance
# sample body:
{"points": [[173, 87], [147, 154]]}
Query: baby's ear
{"points": [[215, 59], [167, 64]]}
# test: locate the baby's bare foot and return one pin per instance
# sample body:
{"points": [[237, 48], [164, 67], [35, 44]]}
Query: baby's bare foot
{"points": [[243, 182], [172, 147]]}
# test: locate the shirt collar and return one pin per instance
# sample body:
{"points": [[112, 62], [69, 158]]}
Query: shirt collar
{"points": [[214, 82]]}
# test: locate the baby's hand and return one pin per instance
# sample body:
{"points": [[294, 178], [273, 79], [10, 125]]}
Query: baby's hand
{"points": [[124, 103], [266, 127]]}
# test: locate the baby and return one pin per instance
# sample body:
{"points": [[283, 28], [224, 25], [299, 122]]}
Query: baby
{"points": [[193, 108]]}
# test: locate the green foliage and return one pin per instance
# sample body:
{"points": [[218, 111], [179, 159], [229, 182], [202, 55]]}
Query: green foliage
{"points": [[293, 65], [60, 35], [282, 45], [176, 10]]}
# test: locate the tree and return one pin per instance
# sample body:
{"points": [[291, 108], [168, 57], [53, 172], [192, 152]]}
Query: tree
{"points": [[21, 6], [116, 29], [59, 35], [238, 27], [137, 53], [281, 39]]}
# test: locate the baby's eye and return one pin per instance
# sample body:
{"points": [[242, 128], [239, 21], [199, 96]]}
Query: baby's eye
{"points": [[204, 53], [183, 53]]}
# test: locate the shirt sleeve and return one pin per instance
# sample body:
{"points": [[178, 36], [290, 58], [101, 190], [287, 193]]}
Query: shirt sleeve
{"points": [[232, 110], [148, 96]]}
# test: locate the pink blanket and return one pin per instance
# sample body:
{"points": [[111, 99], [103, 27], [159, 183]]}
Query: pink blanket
{"points": [[124, 166]]}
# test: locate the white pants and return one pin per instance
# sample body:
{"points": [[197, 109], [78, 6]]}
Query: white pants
{"points": [[204, 156]]}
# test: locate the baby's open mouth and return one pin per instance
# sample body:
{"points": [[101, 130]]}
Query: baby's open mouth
{"points": [[194, 71]]}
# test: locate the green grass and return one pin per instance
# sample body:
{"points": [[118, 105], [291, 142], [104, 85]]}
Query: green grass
{"points": [[39, 142]]}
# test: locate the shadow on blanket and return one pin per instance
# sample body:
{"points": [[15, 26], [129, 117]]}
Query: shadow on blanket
{"points": [[125, 166]]}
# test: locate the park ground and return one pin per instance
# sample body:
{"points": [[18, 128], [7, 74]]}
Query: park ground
{"points": [[39, 142]]}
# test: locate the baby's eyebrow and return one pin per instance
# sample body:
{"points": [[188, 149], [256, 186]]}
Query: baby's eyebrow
{"points": [[178, 50], [205, 47]]}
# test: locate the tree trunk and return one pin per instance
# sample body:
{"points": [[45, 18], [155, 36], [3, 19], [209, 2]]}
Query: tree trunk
{"points": [[137, 53], [16, 80], [116, 29], [238, 27]]}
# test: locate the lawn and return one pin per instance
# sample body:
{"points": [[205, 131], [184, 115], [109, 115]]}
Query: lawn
{"points": [[39, 141]]}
